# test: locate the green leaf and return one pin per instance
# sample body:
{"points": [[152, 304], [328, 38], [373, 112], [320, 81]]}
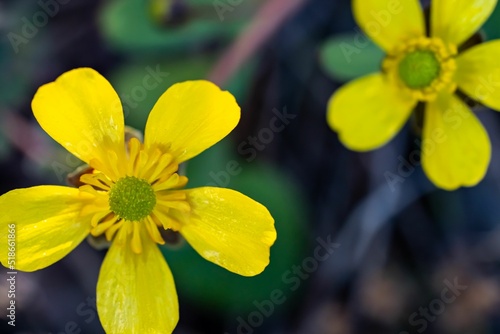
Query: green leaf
{"points": [[132, 26], [349, 56], [492, 26]]}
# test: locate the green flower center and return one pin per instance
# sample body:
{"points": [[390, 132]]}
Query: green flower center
{"points": [[131, 198], [419, 69]]}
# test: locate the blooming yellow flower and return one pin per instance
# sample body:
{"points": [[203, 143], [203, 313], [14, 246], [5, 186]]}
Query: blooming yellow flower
{"points": [[369, 111], [133, 191]]}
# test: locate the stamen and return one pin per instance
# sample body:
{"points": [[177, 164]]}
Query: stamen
{"points": [[168, 183], [164, 167], [95, 181], [98, 217], [103, 226], [141, 162], [135, 243], [113, 162], [166, 220], [183, 180], [152, 161], [133, 147], [89, 190], [172, 196], [182, 206], [100, 166], [110, 232], [97, 201], [153, 231]]}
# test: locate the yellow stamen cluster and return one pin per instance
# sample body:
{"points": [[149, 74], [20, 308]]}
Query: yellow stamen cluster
{"points": [[139, 193], [422, 66]]}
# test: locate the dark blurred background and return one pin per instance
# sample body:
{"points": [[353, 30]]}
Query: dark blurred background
{"points": [[355, 253]]}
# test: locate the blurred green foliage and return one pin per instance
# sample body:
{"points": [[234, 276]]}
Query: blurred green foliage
{"points": [[349, 56], [137, 26], [492, 26]]}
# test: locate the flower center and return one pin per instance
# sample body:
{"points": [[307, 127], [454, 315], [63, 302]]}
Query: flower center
{"points": [[422, 66], [138, 196], [131, 198], [419, 69]]}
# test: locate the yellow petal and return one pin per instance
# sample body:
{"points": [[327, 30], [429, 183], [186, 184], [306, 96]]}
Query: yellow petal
{"points": [[368, 112], [47, 224], [136, 292], [229, 229], [478, 73], [390, 22], [190, 117], [454, 21], [82, 112], [455, 148]]}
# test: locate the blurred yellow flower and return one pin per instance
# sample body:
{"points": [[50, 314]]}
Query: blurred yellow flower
{"points": [[133, 191], [370, 111]]}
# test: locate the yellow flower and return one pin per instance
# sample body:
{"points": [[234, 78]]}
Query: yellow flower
{"points": [[133, 192], [371, 110]]}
